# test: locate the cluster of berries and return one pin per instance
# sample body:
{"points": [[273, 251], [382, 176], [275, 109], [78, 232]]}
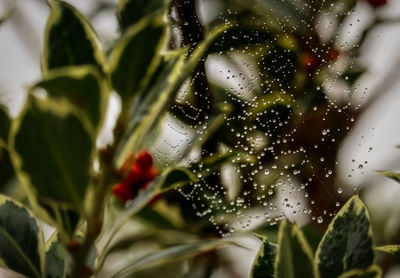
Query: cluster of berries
{"points": [[377, 3], [311, 62], [140, 175]]}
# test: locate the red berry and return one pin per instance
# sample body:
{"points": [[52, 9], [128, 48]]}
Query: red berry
{"points": [[98, 225], [151, 174], [123, 192], [139, 177], [332, 55], [87, 271], [309, 62], [144, 160], [135, 177], [377, 3], [73, 246]]}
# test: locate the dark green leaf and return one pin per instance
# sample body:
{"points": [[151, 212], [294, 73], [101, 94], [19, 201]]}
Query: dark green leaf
{"points": [[154, 218], [390, 249], [263, 266], [372, 272], [56, 258], [136, 56], [188, 114], [4, 125], [207, 129], [171, 254], [64, 219], [7, 173], [149, 105], [353, 74], [168, 179], [83, 86], [312, 235], [347, 243], [69, 39], [51, 148], [175, 177], [130, 12], [154, 100], [21, 239], [294, 256], [393, 175]]}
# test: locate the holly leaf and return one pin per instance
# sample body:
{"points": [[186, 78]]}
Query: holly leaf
{"points": [[372, 272], [155, 99], [136, 56], [52, 151], [66, 220], [263, 266], [168, 179], [129, 12], [392, 175], [389, 249], [56, 258], [347, 244], [83, 86], [294, 256], [69, 39], [171, 254], [176, 177], [21, 239]]}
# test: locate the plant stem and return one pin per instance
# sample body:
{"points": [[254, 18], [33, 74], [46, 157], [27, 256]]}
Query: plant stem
{"points": [[95, 218], [92, 229]]}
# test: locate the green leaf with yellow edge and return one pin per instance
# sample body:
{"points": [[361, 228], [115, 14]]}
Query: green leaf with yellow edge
{"points": [[373, 271], [154, 100], [136, 56], [171, 254], [66, 220], [149, 104], [56, 258], [21, 239], [393, 249], [392, 175], [263, 266], [176, 177], [347, 243], [170, 178], [69, 39], [83, 86], [51, 145], [129, 12], [5, 123], [294, 256]]}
